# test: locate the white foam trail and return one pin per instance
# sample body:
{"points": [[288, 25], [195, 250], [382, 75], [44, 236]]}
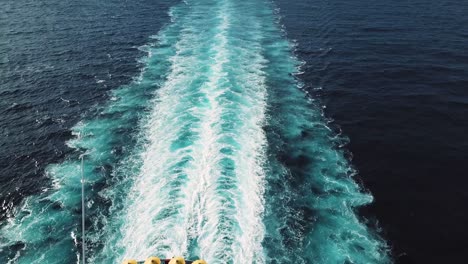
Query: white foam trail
{"points": [[207, 202], [144, 236], [169, 208]]}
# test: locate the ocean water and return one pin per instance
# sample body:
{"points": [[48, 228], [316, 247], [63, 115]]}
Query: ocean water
{"points": [[205, 130], [213, 151], [393, 76]]}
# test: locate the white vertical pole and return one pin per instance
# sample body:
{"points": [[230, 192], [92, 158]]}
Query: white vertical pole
{"points": [[83, 243]]}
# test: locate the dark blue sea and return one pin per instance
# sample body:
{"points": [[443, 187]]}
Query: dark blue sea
{"points": [[234, 131]]}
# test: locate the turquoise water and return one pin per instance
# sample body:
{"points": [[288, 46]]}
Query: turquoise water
{"points": [[230, 161]]}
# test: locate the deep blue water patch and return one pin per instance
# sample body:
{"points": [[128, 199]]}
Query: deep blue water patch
{"points": [[393, 76]]}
